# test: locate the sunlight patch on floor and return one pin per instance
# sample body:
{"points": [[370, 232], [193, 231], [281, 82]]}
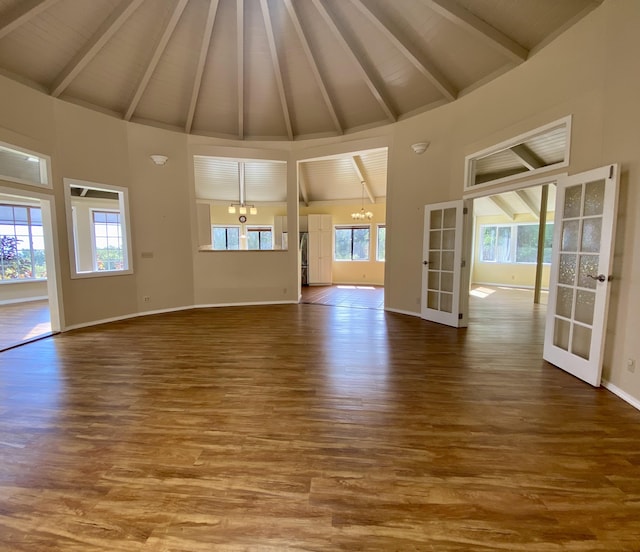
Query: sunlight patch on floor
{"points": [[482, 292], [354, 287], [38, 329]]}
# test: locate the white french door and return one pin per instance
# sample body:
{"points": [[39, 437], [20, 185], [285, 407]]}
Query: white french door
{"points": [[442, 263], [581, 271]]}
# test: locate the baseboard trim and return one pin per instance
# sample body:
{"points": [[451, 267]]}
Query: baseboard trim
{"points": [[23, 300], [400, 311], [622, 394], [174, 309]]}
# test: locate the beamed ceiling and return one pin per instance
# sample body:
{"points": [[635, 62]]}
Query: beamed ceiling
{"points": [[274, 69]]}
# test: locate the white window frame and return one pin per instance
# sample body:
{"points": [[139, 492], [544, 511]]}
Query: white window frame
{"points": [[73, 228], [254, 227], [378, 227], [94, 249], [238, 226], [27, 205], [44, 161], [514, 242], [351, 227], [469, 160]]}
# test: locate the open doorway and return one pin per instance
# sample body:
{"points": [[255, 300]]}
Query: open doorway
{"points": [[342, 221], [28, 290], [506, 230]]}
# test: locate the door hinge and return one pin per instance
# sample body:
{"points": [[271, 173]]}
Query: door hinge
{"points": [[465, 210], [610, 171], [459, 316], [463, 263]]}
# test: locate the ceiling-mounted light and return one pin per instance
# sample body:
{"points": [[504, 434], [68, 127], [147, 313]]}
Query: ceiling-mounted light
{"points": [[232, 209], [419, 147], [253, 210], [362, 214], [159, 159]]}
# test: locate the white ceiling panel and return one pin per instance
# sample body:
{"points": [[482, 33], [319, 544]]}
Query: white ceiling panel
{"points": [[276, 69]]}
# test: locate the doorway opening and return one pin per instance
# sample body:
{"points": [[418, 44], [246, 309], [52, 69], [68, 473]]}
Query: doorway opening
{"points": [[28, 290]]}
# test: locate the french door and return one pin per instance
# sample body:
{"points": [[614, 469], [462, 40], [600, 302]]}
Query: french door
{"points": [[581, 272], [442, 264]]}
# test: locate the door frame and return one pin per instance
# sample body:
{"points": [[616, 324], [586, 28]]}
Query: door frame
{"points": [[51, 251], [469, 243]]}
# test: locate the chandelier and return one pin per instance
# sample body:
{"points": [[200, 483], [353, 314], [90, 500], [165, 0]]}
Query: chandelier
{"points": [[362, 214]]}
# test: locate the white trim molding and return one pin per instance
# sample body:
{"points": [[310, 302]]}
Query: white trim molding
{"points": [[622, 394]]}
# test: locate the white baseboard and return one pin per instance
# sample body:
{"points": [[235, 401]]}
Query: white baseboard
{"points": [[174, 309], [400, 311], [622, 394], [23, 300]]}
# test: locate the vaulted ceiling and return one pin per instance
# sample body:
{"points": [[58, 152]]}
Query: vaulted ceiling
{"points": [[278, 69]]}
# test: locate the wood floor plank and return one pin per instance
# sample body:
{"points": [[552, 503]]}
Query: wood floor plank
{"points": [[312, 428]]}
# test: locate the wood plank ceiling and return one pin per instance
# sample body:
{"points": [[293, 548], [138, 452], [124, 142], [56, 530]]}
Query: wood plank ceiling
{"points": [[274, 69]]}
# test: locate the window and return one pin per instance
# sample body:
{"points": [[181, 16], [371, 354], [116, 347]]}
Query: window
{"points": [[98, 222], [225, 237], [538, 151], [24, 166], [513, 243], [107, 241], [21, 243], [381, 241], [352, 243], [259, 238]]}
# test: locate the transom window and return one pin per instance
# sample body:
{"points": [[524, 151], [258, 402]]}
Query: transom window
{"points": [[513, 243], [352, 243], [225, 237], [21, 243]]}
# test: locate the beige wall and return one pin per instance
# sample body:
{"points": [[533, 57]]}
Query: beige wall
{"points": [[22, 291], [588, 72]]}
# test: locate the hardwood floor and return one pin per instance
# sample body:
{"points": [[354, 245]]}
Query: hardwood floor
{"points": [[361, 297], [305, 427], [23, 322]]}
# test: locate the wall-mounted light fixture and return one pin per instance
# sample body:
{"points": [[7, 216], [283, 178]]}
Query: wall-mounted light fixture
{"points": [[419, 147], [159, 159]]}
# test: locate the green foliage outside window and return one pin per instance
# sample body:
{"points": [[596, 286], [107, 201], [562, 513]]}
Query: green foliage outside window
{"points": [[352, 244]]}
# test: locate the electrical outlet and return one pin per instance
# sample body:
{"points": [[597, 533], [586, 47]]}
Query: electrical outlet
{"points": [[631, 365], [146, 298]]}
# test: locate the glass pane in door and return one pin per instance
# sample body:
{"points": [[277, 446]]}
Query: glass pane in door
{"points": [[579, 259]]}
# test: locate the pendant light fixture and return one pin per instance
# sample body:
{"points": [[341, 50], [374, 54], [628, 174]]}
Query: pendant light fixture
{"points": [[362, 214], [242, 206]]}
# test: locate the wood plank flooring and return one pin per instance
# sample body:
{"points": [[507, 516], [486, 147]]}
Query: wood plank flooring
{"points": [[23, 322], [360, 297], [312, 428]]}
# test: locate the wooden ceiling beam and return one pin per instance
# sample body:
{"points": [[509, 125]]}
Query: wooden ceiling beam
{"points": [[202, 60], [313, 65], [23, 12], [302, 182], [529, 203], [527, 157], [454, 12], [417, 59], [365, 73], [501, 204], [240, 64], [107, 30], [360, 170], [276, 67], [155, 58]]}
